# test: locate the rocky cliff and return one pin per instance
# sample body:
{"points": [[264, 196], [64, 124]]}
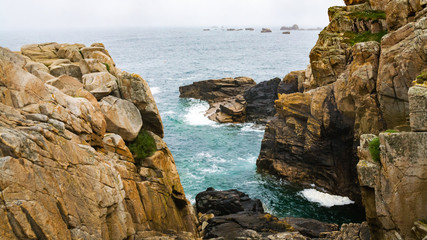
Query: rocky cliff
{"points": [[357, 82], [68, 115], [393, 176]]}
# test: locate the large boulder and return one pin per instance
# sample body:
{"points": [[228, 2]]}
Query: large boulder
{"points": [[292, 83], [45, 53], [71, 52], [230, 110], [260, 100], [122, 117], [101, 54], [136, 90], [101, 84], [92, 65], [65, 67]]}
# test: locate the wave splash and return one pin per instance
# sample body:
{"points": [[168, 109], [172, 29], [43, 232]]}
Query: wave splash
{"points": [[324, 199]]}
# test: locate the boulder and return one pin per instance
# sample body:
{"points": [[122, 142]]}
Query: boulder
{"points": [[101, 84], [260, 100], [71, 52], [122, 117], [222, 203], [92, 65], [45, 53], [65, 67], [7, 55], [102, 55], [136, 90], [216, 90], [230, 110], [266, 30]]}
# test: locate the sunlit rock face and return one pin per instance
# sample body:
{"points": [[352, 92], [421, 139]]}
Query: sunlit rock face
{"points": [[65, 169]]}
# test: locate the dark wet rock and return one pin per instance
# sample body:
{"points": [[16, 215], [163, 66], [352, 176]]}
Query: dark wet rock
{"points": [[226, 202], [311, 227], [260, 100]]}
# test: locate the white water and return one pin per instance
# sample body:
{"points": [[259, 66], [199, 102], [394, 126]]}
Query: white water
{"points": [[324, 199]]}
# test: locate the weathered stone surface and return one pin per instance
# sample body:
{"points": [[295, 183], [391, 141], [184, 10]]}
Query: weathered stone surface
{"points": [[230, 110], [62, 177], [353, 2], [417, 108], [101, 54], [65, 67], [260, 100], [122, 117], [403, 57], [136, 90], [101, 84], [71, 52], [353, 231], [310, 227], [91, 66], [396, 199], [39, 70], [8, 55], [45, 53], [292, 83], [216, 90], [222, 203]]}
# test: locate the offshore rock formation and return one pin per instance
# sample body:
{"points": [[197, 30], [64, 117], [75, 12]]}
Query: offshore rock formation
{"points": [[352, 86], [65, 169], [225, 97], [238, 100], [394, 188]]}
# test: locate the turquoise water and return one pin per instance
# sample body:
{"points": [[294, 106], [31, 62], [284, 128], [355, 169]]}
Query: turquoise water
{"points": [[208, 154]]}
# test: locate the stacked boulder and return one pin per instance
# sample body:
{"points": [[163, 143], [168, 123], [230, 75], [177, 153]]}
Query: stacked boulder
{"points": [[72, 126]]}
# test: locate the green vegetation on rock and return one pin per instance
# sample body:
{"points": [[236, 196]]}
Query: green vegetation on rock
{"points": [[107, 66], [143, 146], [354, 38], [374, 149], [422, 77], [81, 54], [391, 131], [368, 15]]}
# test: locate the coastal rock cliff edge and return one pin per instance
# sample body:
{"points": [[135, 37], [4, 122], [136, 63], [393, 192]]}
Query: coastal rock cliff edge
{"points": [[67, 117], [357, 82]]}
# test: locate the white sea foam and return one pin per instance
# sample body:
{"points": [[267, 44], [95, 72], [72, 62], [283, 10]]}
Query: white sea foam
{"points": [[252, 127], [155, 90], [324, 199], [196, 115], [209, 158], [212, 169]]}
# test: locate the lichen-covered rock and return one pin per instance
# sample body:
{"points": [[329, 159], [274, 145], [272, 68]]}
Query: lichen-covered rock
{"points": [[136, 90], [417, 108], [101, 54], [353, 2], [65, 67], [92, 65], [45, 53], [122, 117], [101, 84], [396, 199], [62, 177], [403, 57]]}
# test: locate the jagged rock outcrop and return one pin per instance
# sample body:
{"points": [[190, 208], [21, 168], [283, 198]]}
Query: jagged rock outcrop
{"points": [[239, 100], [352, 86], [260, 100], [225, 97], [63, 176], [394, 187]]}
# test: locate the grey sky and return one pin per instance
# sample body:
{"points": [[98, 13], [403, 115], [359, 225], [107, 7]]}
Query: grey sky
{"points": [[86, 14]]}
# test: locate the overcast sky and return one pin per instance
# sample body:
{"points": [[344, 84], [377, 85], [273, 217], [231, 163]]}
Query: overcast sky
{"points": [[86, 14]]}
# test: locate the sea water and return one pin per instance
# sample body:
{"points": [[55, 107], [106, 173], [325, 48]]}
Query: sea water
{"points": [[208, 154]]}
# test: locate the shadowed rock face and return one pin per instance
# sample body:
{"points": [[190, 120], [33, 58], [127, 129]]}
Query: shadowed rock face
{"points": [[348, 90], [64, 176]]}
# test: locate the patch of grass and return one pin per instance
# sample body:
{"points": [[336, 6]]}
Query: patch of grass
{"points": [[354, 38], [368, 15], [143, 146], [391, 131], [81, 54], [374, 149], [107, 66], [422, 78]]}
